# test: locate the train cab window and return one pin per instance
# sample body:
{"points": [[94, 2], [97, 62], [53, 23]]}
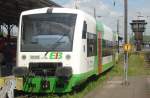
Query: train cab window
{"points": [[91, 45], [84, 30]]}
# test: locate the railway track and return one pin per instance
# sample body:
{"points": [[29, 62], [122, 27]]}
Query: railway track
{"points": [[147, 60], [19, 94], [22, 97], [147, 66], [27, 97]]}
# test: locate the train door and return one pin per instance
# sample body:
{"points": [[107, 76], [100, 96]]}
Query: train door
{"points": [[91, 47], [99, 52]]}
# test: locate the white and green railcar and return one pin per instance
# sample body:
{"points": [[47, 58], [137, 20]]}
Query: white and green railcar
{"points": [[59, 48]]}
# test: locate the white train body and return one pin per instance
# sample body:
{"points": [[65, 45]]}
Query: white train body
{"points": [[62, 37], [77, 55]]}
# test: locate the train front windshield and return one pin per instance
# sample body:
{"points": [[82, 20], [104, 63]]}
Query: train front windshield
{"points": [[47, 32]]}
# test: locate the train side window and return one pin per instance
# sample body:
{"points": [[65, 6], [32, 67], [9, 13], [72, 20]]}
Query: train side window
{"points": [[91, 45], [84, 30], [107, 49]]}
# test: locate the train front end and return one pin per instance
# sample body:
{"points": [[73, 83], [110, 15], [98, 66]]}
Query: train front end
{"points": [[47, 58]]}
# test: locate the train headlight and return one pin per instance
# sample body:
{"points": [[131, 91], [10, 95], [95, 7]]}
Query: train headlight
{"points": [[24, 57], [68, 57]]}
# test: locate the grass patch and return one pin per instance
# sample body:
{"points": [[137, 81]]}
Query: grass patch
{"points": [[117, 70], [136, 66]]}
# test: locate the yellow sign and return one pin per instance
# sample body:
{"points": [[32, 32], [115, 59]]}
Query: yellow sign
{"points": [[127, 47]]}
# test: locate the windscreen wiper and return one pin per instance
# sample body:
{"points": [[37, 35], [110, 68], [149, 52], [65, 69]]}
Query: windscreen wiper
{"points": [[55, 44]]}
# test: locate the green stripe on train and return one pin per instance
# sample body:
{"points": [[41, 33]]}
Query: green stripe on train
{"points": [[33, 84], [107, 66]]}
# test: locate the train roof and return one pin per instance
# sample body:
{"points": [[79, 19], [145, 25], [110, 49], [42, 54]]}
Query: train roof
{"points": [[55, 10], [59, 10], [107, 32], [105, 27]]}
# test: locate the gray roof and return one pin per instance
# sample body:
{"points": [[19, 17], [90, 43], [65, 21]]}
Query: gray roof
{"points": [[10, 9]]}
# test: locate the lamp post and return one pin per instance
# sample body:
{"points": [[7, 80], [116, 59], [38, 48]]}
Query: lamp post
{"points": [[118, 31], [76, 4], [138, 27], [125, 21], [125, 41]]}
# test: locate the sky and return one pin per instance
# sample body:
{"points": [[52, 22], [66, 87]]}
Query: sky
{"points": [[111, 12]]}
